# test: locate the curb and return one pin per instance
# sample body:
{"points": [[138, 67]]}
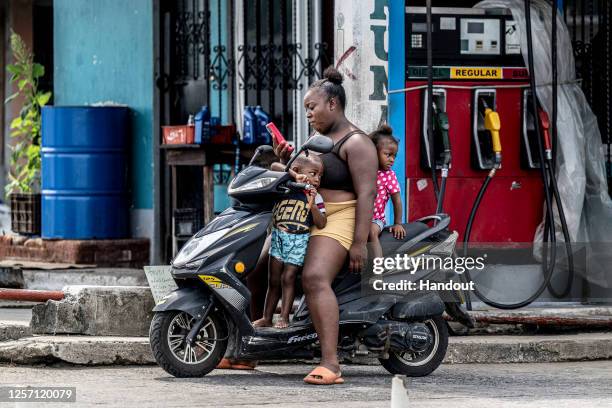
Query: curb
{"points": [[82, 350], [92, 351], [14, 330], [529, 349]]}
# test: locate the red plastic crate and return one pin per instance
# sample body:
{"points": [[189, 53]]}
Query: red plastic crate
{"points": [[184, 134]]}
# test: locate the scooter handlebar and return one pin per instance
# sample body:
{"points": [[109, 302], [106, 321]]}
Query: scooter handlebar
{"points": [[298, 186]]}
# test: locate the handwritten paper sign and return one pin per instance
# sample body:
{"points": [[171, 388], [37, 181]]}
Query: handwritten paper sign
{"points": [[160, 281]]}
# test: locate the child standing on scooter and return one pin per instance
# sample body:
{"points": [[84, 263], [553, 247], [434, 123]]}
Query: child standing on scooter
{"points": [[292, 218], [387, 187]]}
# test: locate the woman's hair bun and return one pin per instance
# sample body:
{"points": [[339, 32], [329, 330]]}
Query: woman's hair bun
{"points": [[384, 129], [333, 75], [383, 132]]}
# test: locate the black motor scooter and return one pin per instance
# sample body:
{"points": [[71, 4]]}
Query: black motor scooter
{"points": [[207, 316]]}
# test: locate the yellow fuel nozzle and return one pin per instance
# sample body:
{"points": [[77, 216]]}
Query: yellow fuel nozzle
{"points": [[493, 125]]}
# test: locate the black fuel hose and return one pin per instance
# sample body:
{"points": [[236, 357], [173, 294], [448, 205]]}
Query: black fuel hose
{"points": [[553, 55], [468, 228], [551, 165], [439, 207], [429, 106], [568, 245]]}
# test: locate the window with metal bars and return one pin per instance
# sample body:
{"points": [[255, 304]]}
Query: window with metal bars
{"points": [[229, 54], [279, 53]]}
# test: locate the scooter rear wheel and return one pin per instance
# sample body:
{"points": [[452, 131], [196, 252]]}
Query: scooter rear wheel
{"points": [[420, 364], [167, 336]]}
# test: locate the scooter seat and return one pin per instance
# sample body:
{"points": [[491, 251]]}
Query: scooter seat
{"points": [[390, 244]]}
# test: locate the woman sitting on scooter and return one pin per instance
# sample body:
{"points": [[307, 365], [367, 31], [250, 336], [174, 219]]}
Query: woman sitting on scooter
{"points": [[348, 188]]}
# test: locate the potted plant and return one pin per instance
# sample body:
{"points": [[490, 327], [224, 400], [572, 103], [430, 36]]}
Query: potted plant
{"points": [[24, 174]]}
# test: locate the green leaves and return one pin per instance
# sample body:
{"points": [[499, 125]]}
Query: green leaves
{"points": [[22, 83], [43, 98], [16, 123], [37, 71], [13, 69], [25, 160]]}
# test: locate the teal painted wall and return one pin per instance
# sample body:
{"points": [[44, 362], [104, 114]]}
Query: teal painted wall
{"points": [[219, 95], [103, 52]]}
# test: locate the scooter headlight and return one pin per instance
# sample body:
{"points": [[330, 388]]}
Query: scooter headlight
{"points": [[253, 185], [194, 248]]}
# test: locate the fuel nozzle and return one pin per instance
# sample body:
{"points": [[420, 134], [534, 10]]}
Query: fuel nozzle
{"points": [[441, 125], [493, 125], [545, 126]]}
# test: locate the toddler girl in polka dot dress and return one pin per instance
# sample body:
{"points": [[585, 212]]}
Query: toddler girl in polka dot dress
{"points": [[387, 187]]}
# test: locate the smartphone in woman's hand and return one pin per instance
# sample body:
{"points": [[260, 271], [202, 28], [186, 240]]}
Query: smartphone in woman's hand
{"points": [[277, 135]]}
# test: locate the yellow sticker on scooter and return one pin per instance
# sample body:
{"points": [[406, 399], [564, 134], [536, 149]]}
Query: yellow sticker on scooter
{"points": [[245, 228], [211, 280]]}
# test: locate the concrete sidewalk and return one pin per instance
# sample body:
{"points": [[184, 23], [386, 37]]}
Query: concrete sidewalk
{"points": [[94, 350]]}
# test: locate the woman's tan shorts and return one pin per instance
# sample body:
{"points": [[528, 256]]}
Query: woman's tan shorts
{"points": [[340, 223]]}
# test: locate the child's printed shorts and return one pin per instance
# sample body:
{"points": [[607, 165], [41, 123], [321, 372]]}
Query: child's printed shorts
{"points": [[380, 223], [289, 248]]}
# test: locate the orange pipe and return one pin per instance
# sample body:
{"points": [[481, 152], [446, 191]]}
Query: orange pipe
{"points": [[28, 295]]}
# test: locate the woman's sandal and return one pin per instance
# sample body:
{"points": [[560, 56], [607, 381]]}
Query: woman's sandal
{"points": [[227, 364], [224, 364], [323, 376]]}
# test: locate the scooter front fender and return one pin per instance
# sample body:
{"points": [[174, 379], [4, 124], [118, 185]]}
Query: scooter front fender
{"points": [[189, 300]]}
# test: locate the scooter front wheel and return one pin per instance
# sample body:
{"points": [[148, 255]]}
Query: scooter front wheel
{"points": [[168, 334], [420, 364]]}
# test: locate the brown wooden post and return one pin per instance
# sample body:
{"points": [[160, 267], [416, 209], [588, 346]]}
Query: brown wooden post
{"points": [[18, 17], [173, 207], [209, 194]]}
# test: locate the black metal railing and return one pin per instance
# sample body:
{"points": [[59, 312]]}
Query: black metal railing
{"points": [[589, 26], [274, 65]]}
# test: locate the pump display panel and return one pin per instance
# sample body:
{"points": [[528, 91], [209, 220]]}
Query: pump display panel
{"points": [[462, 37]]}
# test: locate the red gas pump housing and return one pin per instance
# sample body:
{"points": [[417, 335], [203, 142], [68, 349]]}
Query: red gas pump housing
{"points": [[511, 209]]}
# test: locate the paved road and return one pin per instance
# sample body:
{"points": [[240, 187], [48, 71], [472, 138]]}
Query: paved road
{"points": [[558, 385]]}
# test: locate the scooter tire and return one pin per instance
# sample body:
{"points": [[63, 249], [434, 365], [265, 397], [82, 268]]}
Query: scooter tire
{"points": [[160, 347], [395, 364]]}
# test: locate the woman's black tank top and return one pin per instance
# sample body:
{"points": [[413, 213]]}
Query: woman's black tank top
{"points": [[336, 174]]}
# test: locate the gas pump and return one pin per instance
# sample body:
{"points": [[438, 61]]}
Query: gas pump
{"points": [[473, 64], [478, 82]]}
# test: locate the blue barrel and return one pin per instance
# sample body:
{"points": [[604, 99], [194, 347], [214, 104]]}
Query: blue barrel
{"points": [[84, 172]]}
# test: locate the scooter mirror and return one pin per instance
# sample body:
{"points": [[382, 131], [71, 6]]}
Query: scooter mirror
{"points": [[263, 149], [319, 144]]}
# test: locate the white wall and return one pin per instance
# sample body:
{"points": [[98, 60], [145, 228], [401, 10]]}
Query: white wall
{"points": [[361, 26]]}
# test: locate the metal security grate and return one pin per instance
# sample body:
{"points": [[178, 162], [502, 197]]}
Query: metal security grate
{"points": [[589, 25], [273, 63], [220, 52]]}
